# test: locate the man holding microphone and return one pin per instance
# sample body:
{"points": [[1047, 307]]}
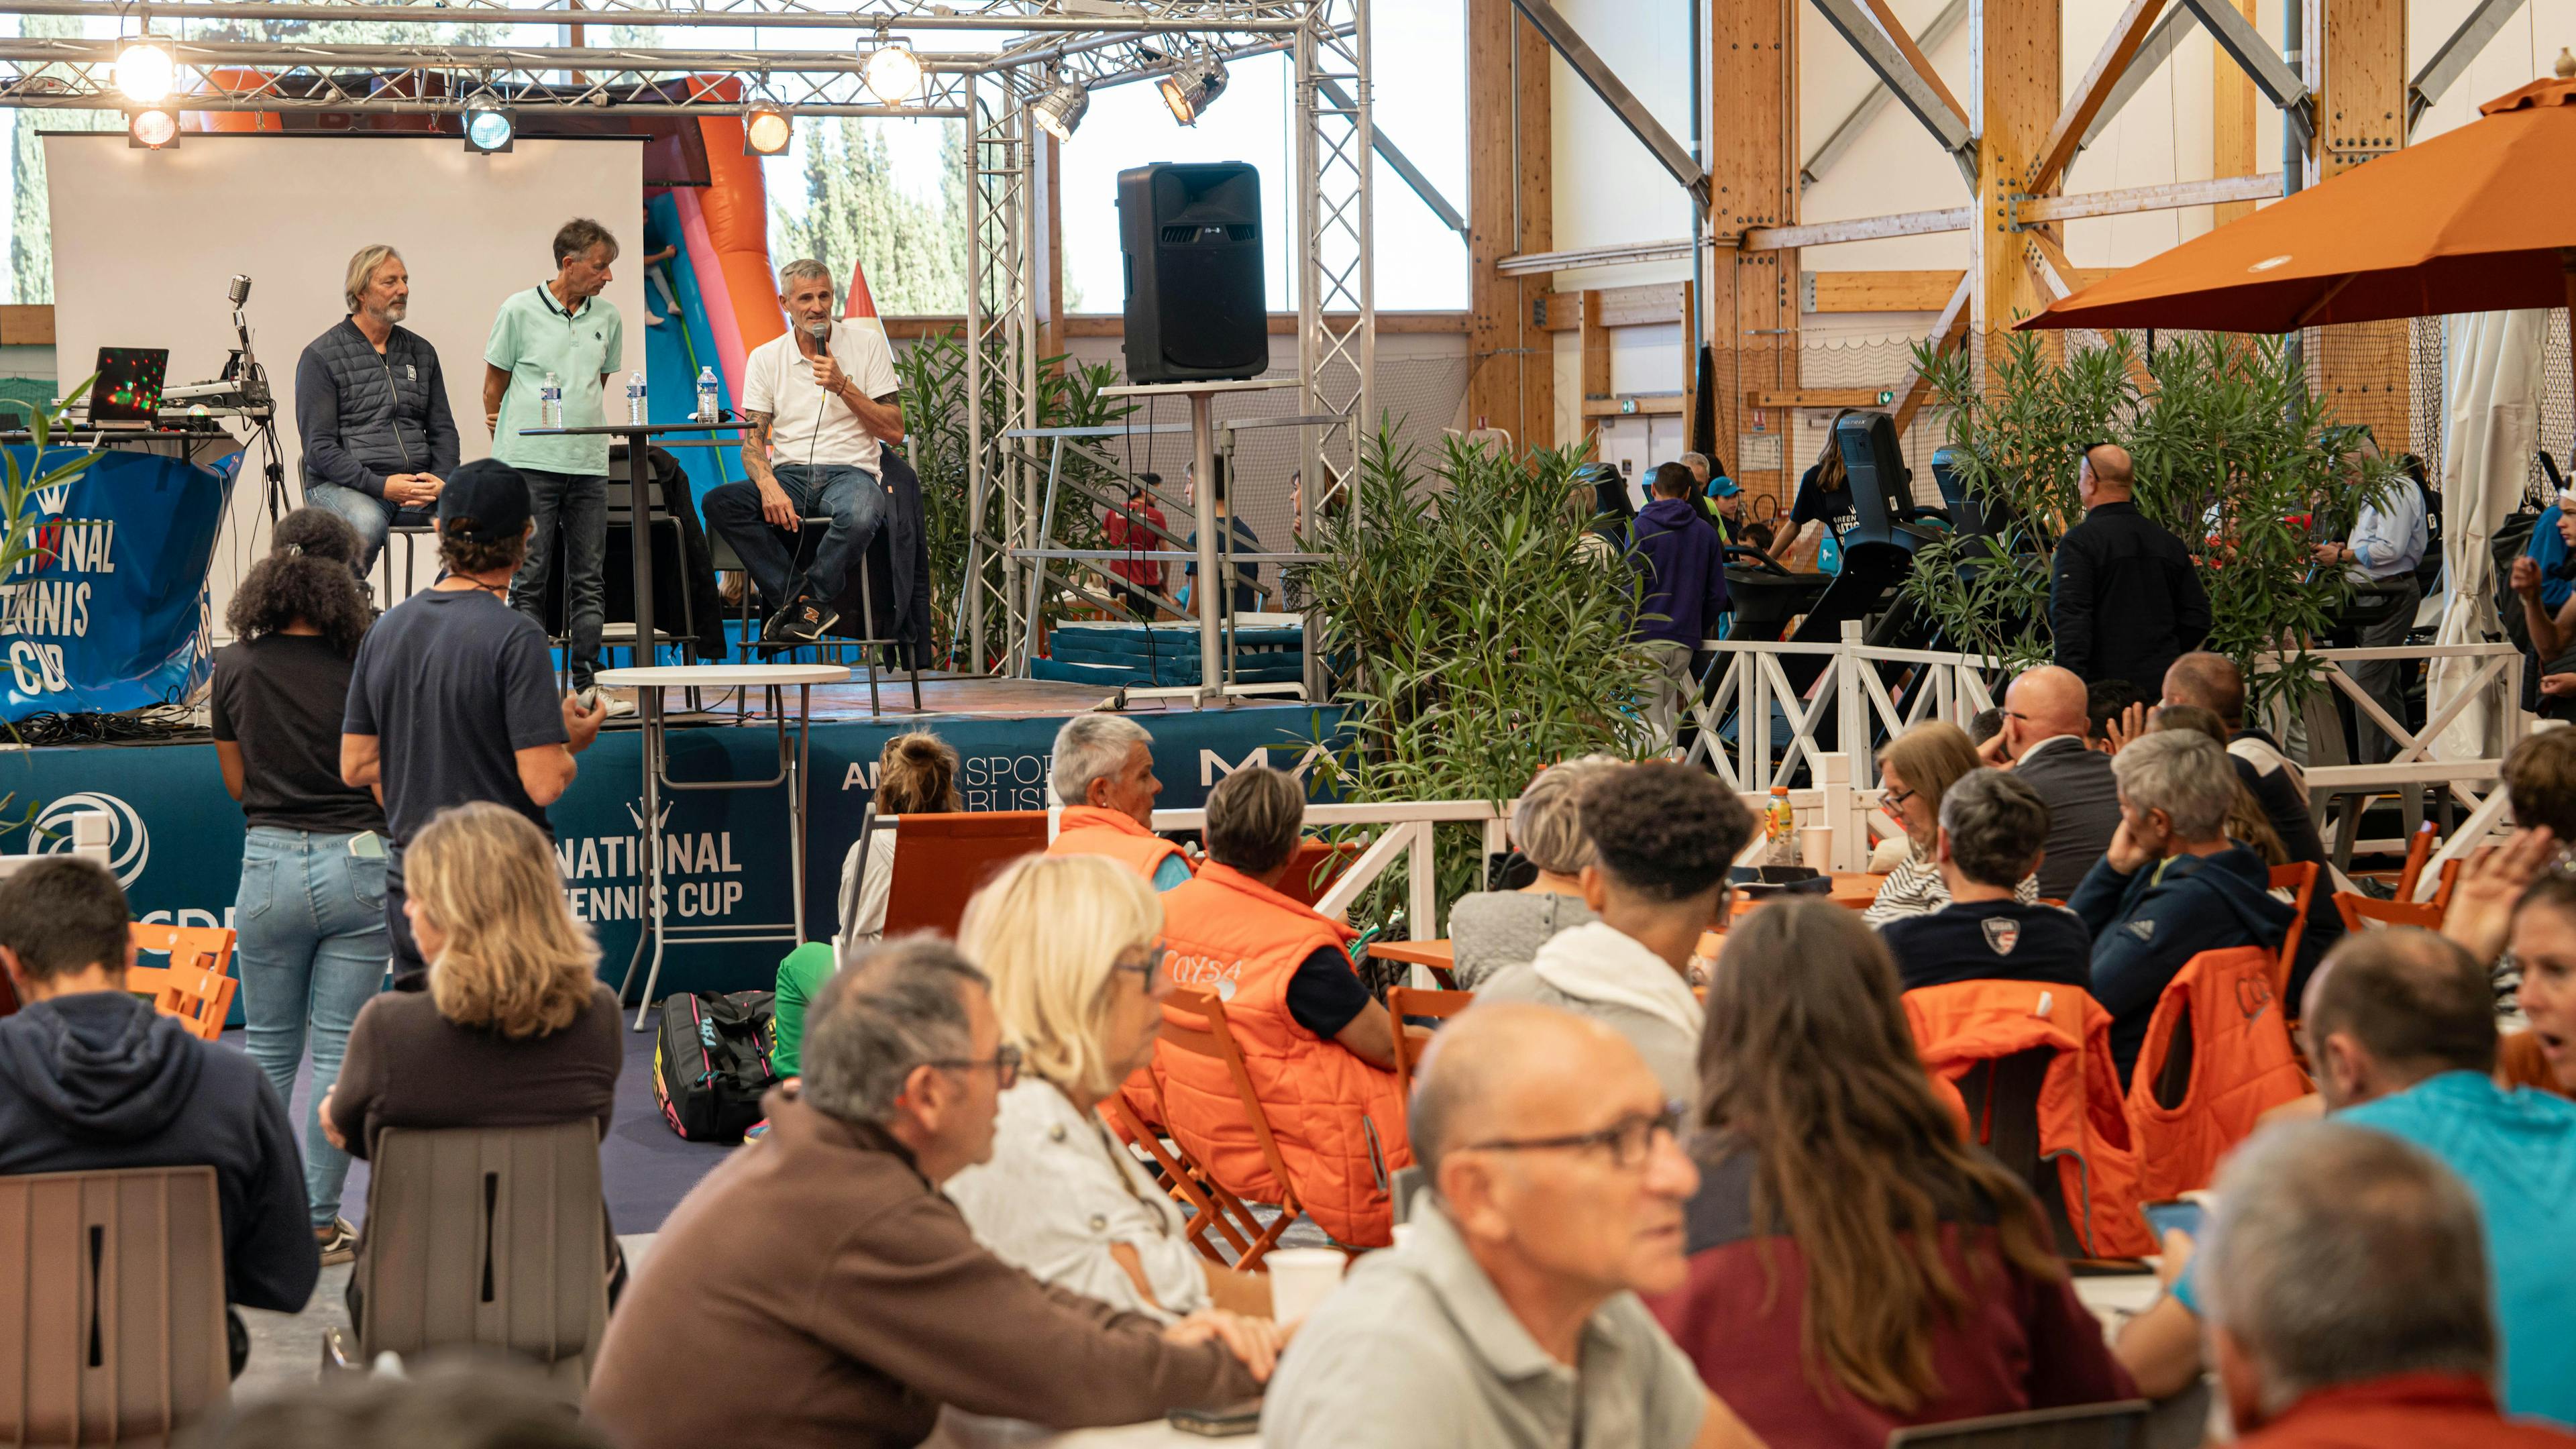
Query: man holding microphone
{"points": [[820, 401]]}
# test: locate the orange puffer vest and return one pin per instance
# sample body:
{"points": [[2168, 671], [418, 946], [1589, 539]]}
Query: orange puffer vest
{"points": [[2241, 1066], [1338, 1121], [1090, 830], [2082, 1127]]}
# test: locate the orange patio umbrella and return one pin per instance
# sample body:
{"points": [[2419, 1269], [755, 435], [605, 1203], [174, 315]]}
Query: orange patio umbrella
{"points": [[2480, 219]]}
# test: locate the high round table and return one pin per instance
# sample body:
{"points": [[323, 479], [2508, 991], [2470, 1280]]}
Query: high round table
{"points": [[774, 680]]}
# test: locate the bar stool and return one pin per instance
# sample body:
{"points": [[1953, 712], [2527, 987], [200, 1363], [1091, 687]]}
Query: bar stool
{"points": [[410, 535], [722, 555]]}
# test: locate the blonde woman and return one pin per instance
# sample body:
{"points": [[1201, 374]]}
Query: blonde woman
{"points": [[516, 1029], [1489, 930], [1916, 769], [1070, 944]]}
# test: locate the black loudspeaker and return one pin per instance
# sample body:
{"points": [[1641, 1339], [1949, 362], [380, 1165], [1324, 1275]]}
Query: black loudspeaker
{"points": [[1874, 465], [1191, 234]]}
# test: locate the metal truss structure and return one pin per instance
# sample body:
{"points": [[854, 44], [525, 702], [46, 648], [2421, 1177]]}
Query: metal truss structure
{"points": [[1033, 46]]}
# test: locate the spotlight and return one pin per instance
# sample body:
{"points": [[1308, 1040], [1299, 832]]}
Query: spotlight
{"points": [[1193, 87], [146, 71], [1060, 110], [766, 130], [489, 127], [893, 73], [152, 129]]}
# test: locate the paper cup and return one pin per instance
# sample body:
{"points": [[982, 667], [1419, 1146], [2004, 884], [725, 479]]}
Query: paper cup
{"points": [[1816, 846], [1301, 1279]]}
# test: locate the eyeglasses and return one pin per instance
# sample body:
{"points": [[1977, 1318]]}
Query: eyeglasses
{"points": [[1150, 967], [1628, 1140], [1896, 798], [1005, 1063]]}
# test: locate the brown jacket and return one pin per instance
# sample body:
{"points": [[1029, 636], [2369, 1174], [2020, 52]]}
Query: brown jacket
{"points": [[816, 1290]]}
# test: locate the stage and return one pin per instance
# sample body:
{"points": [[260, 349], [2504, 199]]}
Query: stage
{"points": [[178, 837]]}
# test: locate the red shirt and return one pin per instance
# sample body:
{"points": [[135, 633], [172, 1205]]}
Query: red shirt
{"points": [[1145, 573], [2404, 1411]]}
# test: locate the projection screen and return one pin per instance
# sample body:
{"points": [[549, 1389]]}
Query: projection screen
{"points": [[145, 243]]}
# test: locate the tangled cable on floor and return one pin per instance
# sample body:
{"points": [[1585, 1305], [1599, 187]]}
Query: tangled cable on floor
{"points": [[150, 723]]}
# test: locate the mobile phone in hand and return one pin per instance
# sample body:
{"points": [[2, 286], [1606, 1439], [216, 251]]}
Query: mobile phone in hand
{"points": [[1231, 1422], [2175, 1215]]}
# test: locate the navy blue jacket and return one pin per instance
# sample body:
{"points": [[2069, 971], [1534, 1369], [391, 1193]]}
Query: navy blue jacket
{"points": [[361, 415], [2145, 926], [99, 1080], [1684, 567]]}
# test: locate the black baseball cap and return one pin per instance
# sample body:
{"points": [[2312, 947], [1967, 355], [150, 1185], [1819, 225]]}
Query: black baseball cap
{"points": [[486, 501]]}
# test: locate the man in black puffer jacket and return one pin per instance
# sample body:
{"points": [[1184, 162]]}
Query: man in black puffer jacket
{"points": [[93, 1079], [371, 409]]}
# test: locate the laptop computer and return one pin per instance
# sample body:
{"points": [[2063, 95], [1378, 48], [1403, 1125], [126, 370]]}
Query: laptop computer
{"points": [[127, 387]]}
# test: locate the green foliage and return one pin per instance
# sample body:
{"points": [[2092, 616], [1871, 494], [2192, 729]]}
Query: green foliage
{"points": [[914, 248], [1481, 640], [933, 376], [2232, 454]]}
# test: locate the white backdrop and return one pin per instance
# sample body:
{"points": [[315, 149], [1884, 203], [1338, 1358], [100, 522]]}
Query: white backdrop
{"points": [[146, 241]]}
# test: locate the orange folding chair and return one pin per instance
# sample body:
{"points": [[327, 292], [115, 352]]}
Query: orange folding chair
{"points": [[1408, 1001], [2402, 911], [2418, 850], [942, 859], [1213, 1039], [197, 986], [1184, 1179], [2300, 880]]}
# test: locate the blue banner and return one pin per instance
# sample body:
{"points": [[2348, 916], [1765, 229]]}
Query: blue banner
{"points": [[176, 840], [110, 612]]}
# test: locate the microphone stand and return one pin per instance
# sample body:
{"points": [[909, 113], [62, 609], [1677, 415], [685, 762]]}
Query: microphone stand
{"points": [[245, 369]]}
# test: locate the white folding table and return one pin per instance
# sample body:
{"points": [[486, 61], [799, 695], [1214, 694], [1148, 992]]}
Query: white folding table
{"points": [[774, 680]]}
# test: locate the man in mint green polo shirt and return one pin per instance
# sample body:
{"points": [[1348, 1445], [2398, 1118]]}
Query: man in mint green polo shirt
{"points": [[2401, 1026], [565, 328]]}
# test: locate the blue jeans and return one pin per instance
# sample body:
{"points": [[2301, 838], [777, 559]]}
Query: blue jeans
{"points": [[371, 516], [851, 497], [310, 919], [578, 504]]}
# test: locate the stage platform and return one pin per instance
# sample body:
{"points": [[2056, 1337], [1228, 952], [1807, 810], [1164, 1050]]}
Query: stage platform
{"points": [[177, 841]]}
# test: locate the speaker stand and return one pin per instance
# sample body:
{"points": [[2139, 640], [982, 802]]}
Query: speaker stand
{"points": [[1210, 589]]}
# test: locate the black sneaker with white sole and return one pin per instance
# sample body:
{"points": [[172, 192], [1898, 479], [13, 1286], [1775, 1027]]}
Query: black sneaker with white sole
{"points": [[802, 622]]}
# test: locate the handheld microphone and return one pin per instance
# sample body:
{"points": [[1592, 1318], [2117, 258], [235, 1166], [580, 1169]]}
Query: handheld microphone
{"points": [[240, 291], [819, 329]]}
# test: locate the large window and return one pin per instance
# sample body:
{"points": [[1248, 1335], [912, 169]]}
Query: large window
{"points": [[1419, 55]]}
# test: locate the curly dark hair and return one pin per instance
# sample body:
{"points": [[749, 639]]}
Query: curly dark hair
{"points": [[310, 574], [1665, 831]]}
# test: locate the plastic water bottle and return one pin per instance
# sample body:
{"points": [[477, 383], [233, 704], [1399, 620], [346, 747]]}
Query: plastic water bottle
{"points": [[1780, 829], [635, 397], [550, 403], [706, 395]]}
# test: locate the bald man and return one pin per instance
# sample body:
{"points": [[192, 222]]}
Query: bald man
{"points": [[2044, 740], [2123, 599], [1555, 1196]]}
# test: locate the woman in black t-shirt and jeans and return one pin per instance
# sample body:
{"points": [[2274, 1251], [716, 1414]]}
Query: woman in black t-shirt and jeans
{"points": [[310, 915]]}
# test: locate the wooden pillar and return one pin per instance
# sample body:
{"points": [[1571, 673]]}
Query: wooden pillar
{"points": [[2231, 123], [1749, 301], [2364, 371], [1511, 359], [2017, 90], [1050, 195]]}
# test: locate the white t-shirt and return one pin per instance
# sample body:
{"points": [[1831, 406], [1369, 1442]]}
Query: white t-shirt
{"points": [[779, 381]]}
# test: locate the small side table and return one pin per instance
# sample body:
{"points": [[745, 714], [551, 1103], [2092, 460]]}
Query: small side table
{"points": [[773, 680]]}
